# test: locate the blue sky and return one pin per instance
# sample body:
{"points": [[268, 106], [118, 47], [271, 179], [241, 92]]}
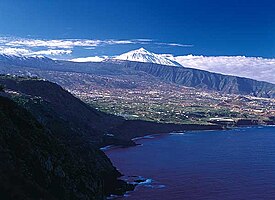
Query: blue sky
{"points": [[199, 27]]}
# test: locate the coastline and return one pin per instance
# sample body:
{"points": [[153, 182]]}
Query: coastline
{"points": [[239, 137], [141, 130], [129, 131], [134, 140], [153, 136], [126, 131]]}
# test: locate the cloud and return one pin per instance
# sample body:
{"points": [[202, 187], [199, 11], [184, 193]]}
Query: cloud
{"points": [[113, 42], [179, 45], [143, 40], [58, 47], [62, 43], [251, 67], [174, 44], [90, 59], [66, 44], [71, 43], [258, 68], [14, 51], [89, 48], [27, 52], [52, 52]]}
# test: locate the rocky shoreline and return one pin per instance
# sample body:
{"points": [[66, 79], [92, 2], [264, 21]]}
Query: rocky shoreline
{"points": [[129, 129]]}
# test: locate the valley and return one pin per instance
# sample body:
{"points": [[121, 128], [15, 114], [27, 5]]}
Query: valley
{"points": [[163, 102], [87, 106], [152, 92], [146, 98], [137, 100]]}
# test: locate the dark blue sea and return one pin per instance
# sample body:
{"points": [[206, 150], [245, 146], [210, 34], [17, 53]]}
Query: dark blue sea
{"points": [[235, 164]]}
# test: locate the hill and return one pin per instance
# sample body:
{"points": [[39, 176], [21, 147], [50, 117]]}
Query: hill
{"points": [[39, 165]]}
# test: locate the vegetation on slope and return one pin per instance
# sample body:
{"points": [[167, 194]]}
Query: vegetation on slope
{"points": [[35, 164]]}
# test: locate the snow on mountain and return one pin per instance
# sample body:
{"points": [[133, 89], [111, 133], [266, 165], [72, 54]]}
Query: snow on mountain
{"points": [[261, 69], [22, 60], [142, 55]]}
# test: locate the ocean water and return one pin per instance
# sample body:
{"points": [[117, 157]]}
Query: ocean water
{"points": [[236, 164]]}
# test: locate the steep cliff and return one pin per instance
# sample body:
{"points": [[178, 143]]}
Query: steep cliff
{"points": [[205, 80], [35, 164]]}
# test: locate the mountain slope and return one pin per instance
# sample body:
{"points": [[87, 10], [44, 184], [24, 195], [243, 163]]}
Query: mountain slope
{"points": [[179, 75], [205, 80], [38, 165], [258, 68], [58, 110], [18, 60]]}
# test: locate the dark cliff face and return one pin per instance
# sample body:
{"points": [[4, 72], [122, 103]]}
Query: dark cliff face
{"points": [[205, 80], [65, 115], [59, 137], [70, 119], [37, 165]]}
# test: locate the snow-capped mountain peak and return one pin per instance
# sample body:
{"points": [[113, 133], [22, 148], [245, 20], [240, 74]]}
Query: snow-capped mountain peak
{"points": [[142, 55], [140, 50]]}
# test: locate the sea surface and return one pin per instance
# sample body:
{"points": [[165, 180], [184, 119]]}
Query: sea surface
{"points": [[236, 164]]}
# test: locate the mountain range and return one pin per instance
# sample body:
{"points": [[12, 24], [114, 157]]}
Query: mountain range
{"points": [[250, 67], [180, 75], [50, 139]]}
